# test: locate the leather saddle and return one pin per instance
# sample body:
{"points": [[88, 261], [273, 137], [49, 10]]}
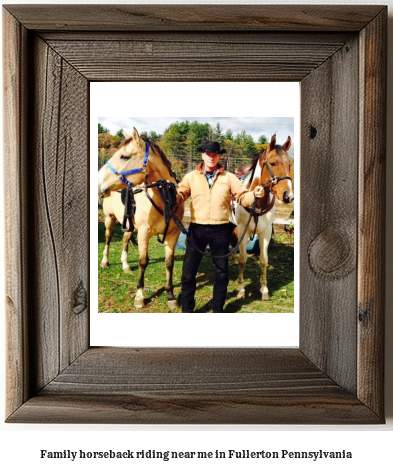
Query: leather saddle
{"points": [[242, 171]]}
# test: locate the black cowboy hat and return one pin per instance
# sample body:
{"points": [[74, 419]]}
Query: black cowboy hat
{"points": [[211, 147]]}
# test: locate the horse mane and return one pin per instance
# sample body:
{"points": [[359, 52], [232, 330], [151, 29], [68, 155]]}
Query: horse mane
{"points": [[158, 152], [255, 162], [279, 148], [257, 157]]}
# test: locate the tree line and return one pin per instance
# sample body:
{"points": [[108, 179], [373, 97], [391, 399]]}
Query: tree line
{"points": [[181, 140]]}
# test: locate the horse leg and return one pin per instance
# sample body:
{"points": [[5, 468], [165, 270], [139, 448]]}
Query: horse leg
{"points": [[143, 246], [109, 225], [233, 242], [241, 291], [169, 264], [124, 253], [264, 240]]}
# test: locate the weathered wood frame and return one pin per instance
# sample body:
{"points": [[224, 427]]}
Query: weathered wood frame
{"points": [[338, 54]]}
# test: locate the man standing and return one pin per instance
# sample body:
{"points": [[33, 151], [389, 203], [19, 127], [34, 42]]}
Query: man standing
{"points": [[211, 189]]}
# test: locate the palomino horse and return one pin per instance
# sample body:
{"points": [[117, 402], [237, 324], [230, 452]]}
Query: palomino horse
{"points": [[271, 170], [136, 162], [113, 208]]}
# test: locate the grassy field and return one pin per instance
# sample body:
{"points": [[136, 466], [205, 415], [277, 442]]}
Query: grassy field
{"points": [[117, 290]]}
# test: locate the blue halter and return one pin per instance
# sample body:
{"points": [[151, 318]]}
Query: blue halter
{"points": [[134, 171]]}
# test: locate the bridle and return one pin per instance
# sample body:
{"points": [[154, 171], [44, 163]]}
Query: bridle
{"points": [[273, 179], [257, 212], [166, 190], [121, 174]]}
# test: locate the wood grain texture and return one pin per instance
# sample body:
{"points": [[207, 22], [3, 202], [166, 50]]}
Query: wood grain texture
{"points": [[372, 192], [16, 259], [329, 177], [199, 37], [193, 409], [193, 386], [265, 58], [194, 18], [60, 183], [336, 375]]}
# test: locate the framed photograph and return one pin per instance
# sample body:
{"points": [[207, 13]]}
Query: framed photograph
{"points": [[244, 135], [337, 54]]}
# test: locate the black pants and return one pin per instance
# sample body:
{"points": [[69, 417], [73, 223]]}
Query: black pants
{"points": [[217, 237]]}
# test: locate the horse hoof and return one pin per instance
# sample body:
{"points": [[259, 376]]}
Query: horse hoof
{"points": [[265, 297], [173, 304], [127, 270], [105, 265], [139, 303], [241, 294]]}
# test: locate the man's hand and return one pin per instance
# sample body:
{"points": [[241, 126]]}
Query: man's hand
{"points": [[259, 192]]}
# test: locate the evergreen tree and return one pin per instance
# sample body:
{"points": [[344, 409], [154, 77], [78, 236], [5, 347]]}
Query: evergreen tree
{"points": [[229, 134], [120, 133], [197, 135], [154, 136], [217, 133], [102, 129], [244, 145], [262, 140], [175, 137]]}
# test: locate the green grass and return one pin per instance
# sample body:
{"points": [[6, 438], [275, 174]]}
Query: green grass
{"points": [[116, 290]]}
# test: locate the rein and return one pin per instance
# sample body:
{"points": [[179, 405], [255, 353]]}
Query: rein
{"points": [[184, 230], [179, 223], [259, 213], [167, 191]]}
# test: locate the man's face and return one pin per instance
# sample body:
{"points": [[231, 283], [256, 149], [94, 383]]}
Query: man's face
{"points": [[211, 160]]}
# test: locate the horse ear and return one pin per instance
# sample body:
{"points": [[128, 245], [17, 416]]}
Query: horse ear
{"points": [[127, 136], [272, 144], [287, 144], [135, 135]]}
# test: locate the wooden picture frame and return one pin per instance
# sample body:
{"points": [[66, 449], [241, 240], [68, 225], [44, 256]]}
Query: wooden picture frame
{"points": [[338, 54]]}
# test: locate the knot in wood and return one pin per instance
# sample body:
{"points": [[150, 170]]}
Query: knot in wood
{"points": [[80, 299], [331, 254], [313, 132]]}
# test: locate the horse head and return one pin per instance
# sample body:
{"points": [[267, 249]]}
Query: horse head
{"points": [[276, 170], [127, 167]]}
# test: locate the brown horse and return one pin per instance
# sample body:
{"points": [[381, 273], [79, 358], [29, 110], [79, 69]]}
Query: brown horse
{"points": [[140, 162], [272, 170]]}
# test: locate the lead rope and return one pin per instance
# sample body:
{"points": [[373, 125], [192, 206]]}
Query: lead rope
{"points": [[205, 254], [168, 197]]}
